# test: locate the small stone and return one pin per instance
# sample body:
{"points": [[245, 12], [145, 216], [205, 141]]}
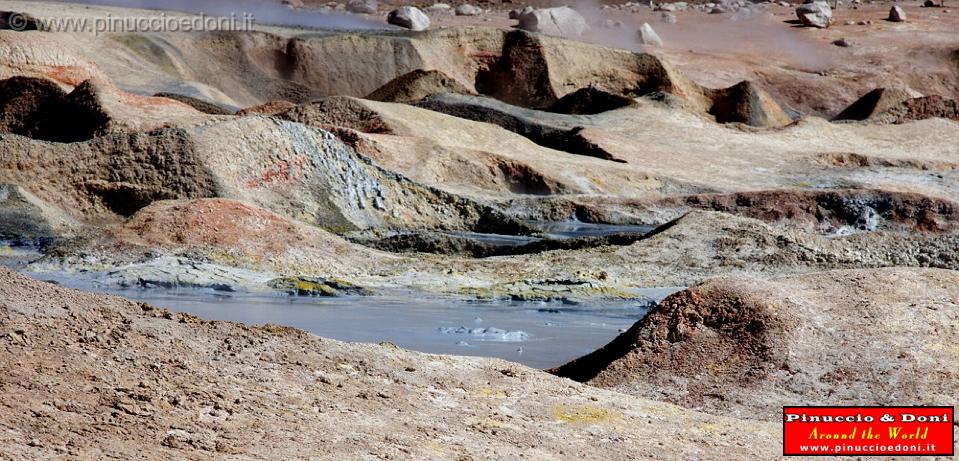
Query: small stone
{"points": [[612, 24], [468, 10], [896, 14], [647, 36], [842, 42], [362, 6]]}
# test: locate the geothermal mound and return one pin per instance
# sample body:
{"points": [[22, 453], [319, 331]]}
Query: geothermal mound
{"points": [[748, 104], [921, 109], [747, 347], [417, 85], [339, 111], [874, 103], [39, 109], [885, 105]]}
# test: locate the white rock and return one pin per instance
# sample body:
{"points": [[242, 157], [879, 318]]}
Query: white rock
{"points": [[561, 20], [467, 10], [647, 36], [409, 17], [815, 14]]}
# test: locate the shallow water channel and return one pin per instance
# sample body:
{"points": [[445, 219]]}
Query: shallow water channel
{"points": [[534, 334], [540, 335]]}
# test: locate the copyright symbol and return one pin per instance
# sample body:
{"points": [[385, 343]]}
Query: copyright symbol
{"points": [[17, 22]]}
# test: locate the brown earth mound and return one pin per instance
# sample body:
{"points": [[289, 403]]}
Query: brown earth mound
{"points": [[39, 109], [893, 105], [874, 103], [747, 347], [270, 108], [116, 173], [337, 111], [921, 109], [749, 104], [416, 85]]}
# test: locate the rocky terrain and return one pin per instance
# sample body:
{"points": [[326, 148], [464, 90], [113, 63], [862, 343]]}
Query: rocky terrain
{"points": [[795, 166]]}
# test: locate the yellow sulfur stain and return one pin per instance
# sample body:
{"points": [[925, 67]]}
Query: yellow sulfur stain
{"points": [[708, 427], [493, 393], [952, 349], [583, 414]]}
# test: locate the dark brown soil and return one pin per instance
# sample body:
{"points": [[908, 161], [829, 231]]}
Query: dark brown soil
{"points": [[39, 109]]}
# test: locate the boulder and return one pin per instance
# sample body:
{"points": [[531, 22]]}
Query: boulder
{"points": [[409, 17], [362, 6], [467, 10], [647, 36], [815, 14], [294, 4], [668, 18], [439, 8], [563, 21], [896, 14]]}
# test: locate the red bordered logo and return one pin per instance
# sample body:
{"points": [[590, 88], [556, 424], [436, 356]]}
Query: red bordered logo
{"points": [[868, 431]]}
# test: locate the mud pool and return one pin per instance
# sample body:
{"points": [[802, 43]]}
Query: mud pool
{"points": [[539, 335]]}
